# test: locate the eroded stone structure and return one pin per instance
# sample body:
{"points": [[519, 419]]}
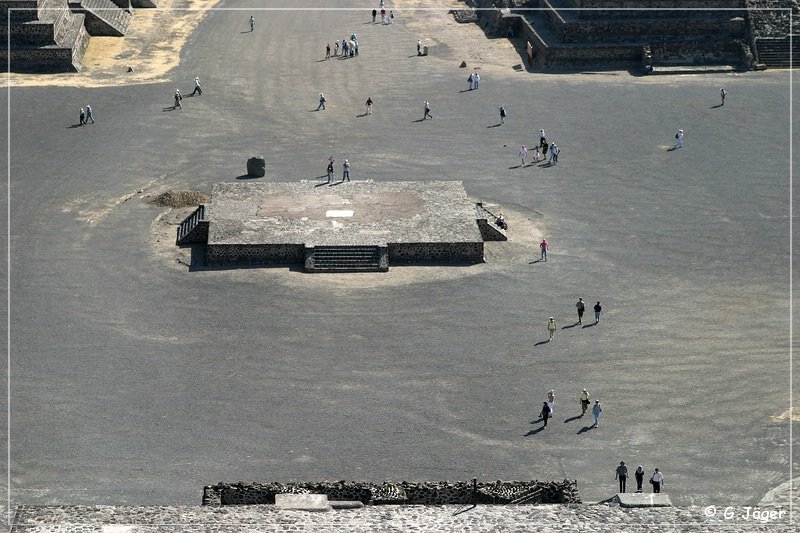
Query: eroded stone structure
{"points": [[353, 226], [403, 493], [704, 34], [52, 35]]}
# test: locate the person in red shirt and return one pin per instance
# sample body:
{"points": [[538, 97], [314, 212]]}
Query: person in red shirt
{"points": [[543, 247]]}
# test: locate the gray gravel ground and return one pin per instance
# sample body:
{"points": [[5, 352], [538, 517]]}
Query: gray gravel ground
{"points": [[136, 381]]}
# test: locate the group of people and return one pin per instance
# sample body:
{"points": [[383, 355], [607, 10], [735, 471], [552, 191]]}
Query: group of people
{"points": [[621, 474], [540, 150], [385, 19], [552, 326], [549, 407], [474, 81], [86, 116], [349, 47], [177, 97], [332, 172]]}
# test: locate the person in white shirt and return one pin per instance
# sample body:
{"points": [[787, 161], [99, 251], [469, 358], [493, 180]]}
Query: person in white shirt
{"points": [[657, 479]]}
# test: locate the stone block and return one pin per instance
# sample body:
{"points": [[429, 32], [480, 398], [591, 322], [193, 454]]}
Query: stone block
{"points": [[642, 499], [302, 502], [256, 166]]}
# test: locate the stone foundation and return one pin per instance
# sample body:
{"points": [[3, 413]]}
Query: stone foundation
{"points": [[404, 493]]}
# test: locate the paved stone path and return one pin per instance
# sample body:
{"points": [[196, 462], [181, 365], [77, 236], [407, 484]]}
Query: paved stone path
{"points": [[265, 518]]}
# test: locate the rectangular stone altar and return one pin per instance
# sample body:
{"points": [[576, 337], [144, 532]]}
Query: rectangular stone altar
{"points": [[414, 221]]}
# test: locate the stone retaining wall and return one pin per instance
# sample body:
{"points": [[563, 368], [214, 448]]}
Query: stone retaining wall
{"points": [[404, 493], [439, 252], [254, 254]]}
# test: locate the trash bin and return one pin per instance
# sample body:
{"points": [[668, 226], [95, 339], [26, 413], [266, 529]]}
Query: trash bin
{"points": [[425, 50]]}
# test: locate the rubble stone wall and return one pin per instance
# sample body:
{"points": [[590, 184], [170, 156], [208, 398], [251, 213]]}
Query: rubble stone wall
{"points": [[404, 493]]}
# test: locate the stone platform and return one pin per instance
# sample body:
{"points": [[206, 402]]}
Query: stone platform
{"points": [[409, 221]]}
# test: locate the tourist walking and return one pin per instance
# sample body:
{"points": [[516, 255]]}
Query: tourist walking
{"points": [[622, 475], [639, 475], [369, 105], [427, 111], [328, 51], [476, 81], [584, 401], [502, 115], [523, 154], [346, 170], [551, 329], [554, 151], [543, 246], [252, 22], [322, 101], [336, 47], [541, 136], [722, 94], [596, 410], [543, 144], [198, 87], [178, 98], [383, 15], [470, 81], [82, 117], [419, 47], [597, 310], [551, 401], [545, 414], [679, 139], [374, 14], [331, 172], [90, 114], [581, 308], [536, 154], [391, 17], [657, 479]]}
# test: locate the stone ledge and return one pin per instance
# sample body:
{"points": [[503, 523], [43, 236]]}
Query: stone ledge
{"points": [[302, 502], [639, 499]]}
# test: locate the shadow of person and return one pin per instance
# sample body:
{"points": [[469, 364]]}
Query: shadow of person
{"points": [[591, 325], [541, 342], [74, 126], [494, 126], [534, 262], [584, 429], [570, 326], [570, 419], [715, 106], [672, 149], [534, 431]]}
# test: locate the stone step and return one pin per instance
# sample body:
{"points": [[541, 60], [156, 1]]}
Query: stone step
{"points": [[103, 17], [344, 258]]}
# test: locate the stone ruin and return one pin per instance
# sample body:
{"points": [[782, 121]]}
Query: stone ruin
{"points": [[699, 35], [52, 35], [402, 493]]}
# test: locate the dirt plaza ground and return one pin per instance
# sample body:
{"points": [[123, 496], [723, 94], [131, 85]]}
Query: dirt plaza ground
{"points": [[135, 379]]}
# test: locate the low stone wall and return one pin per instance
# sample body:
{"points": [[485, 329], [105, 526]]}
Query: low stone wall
{"points": [[254, 254], [404, 493], [438, 252]]}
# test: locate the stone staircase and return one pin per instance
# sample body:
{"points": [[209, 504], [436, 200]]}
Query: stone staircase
{"points": [[778, 52], [104, 17], [346, 258], [194, 228], [44, 36], [592, 34]]}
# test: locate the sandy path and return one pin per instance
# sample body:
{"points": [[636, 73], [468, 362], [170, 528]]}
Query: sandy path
{"points": [[155, 38]]}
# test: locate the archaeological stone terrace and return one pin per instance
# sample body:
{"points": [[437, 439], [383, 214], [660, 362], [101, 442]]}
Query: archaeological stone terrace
{"points": [[341, 226]]}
